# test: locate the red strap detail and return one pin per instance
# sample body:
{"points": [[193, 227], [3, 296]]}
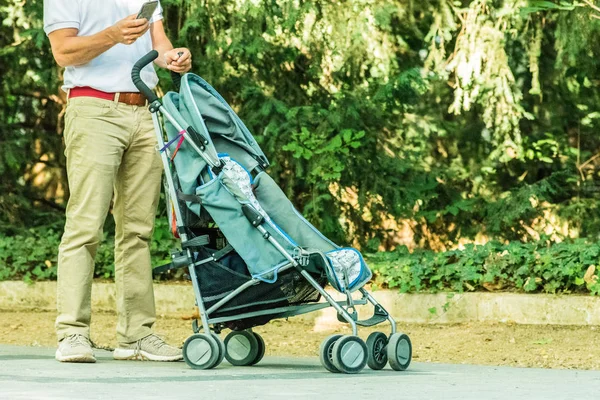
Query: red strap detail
{"points": [[174, 223], [177, 148], [86, 91]]}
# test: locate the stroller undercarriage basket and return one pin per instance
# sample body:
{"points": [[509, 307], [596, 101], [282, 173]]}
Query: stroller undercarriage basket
{"points": [[269, 261], [220, 278]]}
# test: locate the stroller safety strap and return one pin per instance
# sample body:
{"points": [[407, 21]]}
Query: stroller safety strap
{"points": [[179, 138], [192, 198], [223, 252], [178, 147], [196, 242], [170, 142]]}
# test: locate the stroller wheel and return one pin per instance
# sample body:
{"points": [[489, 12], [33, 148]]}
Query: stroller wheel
{"points": [[326, 353], [261, 349], [241, 348], [201, 351], [399, 351], [221, 349], [350, 354], [376, 345]]}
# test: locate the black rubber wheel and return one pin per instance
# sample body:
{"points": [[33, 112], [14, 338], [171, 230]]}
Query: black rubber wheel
{"points": [[376, 345], [221, 349], [326, 353], [399, 351], [241, 348], [261, 349], [350, 354], [201, 351]]}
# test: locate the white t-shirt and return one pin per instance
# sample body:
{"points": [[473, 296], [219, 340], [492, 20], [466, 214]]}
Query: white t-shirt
{"points": [[111, 70]]}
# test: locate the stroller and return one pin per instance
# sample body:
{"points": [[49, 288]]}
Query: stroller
{"points": [[250, 255]]}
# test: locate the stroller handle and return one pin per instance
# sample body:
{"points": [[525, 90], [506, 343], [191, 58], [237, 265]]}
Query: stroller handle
{"points": [[137, 80]]}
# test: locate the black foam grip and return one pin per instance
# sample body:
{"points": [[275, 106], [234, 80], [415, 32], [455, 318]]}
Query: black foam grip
{"points": [[176, 78], [137, 80]]}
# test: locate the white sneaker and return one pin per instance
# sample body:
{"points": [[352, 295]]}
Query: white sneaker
{"points": [[150, 348], [75, 348]]}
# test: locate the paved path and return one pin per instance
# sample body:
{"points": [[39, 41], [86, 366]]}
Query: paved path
{"points": [[29, 373]]}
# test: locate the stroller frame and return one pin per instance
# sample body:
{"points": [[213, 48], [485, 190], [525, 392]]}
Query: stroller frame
{"points": [[335, 357]]}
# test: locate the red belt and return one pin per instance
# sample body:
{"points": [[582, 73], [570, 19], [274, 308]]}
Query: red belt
{"points": [[131, 98]]}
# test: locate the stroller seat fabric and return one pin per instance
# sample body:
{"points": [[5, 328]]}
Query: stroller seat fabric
{"points": [[239, 183], [348, 269]]}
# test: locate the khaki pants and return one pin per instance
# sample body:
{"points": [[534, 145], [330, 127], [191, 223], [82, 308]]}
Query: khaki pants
{"points": [[110, 148]]}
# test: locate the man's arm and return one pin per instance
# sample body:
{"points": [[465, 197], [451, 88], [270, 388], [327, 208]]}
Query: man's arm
{"points": [[168, 56], [69, 49]]}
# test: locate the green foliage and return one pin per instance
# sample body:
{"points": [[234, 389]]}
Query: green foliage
{"points": [[461, 121], [32, 255], [534, 6], [516, 266]]}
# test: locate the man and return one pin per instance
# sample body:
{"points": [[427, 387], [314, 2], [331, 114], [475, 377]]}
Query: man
{"points": [[110, 148]]}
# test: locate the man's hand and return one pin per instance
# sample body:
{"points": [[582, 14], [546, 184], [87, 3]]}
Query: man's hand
{"points": [[179, 63], [171, 58], [129, 29]]}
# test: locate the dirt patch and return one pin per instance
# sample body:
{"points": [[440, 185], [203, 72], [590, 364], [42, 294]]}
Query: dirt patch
{"points": [[488, 344]]}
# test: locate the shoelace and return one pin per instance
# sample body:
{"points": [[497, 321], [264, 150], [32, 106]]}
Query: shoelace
{"points": [[152, 340], [75, 340], [82, 340], [155, 340]]}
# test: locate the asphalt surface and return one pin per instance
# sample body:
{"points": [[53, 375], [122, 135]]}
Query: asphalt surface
{"points": [[30, 373]]}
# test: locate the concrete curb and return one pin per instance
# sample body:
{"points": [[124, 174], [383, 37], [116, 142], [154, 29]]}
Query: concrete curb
{"points": [[178, 299]]}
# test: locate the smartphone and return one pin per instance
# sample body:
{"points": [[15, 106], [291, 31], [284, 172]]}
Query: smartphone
{"points": [[147, 10]]}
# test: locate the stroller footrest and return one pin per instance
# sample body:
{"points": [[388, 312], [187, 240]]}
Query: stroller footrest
{"points": [[379, 315], [374, 320]]}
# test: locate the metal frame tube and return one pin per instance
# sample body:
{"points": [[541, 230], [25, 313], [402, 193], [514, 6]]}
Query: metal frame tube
{"points": [[178, 215], [199, 302], [375, 303], [167, 168], [237, 291], [310, 279], [231, 295], [281, 312], [209, 160]]}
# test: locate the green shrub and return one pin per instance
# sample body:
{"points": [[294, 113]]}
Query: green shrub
{"points": [[29, 256], [524, 267], [539, 267], [32, 255]]}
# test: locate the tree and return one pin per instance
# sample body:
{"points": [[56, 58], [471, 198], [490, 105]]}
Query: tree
{"points": [[428, 123]]}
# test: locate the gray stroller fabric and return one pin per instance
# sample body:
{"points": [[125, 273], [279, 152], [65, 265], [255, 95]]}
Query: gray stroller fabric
{"points": [[224, 203], [202, 105], [187, 162], [241, 180]]}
